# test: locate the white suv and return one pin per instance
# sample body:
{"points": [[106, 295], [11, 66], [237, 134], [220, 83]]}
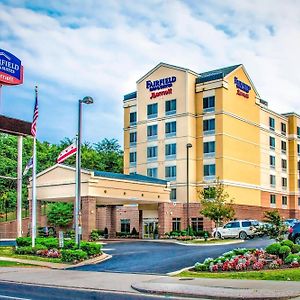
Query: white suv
{"points": [[237, 229]]}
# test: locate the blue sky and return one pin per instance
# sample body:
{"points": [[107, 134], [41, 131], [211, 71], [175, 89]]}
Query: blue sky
{"points": [[74, 48]]}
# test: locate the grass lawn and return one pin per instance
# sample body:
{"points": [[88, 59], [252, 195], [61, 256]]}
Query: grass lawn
{"points": [[211, 241], [12, 264], [8, 252], [285, 274]]}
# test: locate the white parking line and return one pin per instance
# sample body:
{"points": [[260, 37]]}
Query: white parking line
{"points": [[15, 298], [108, 249]]}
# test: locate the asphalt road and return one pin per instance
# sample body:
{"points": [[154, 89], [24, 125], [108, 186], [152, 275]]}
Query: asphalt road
{"points": [[34, 292], [161, 258]]}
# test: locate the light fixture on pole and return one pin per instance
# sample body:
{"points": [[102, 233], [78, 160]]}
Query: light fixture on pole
{"points": [[78, 229], [188, 146]]}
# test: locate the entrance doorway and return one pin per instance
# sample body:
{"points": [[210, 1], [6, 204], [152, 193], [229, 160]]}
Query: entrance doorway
{"points": [[149, 226]]}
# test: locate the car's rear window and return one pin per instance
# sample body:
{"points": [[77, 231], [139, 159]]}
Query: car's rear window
{"points": [[246, 224]]}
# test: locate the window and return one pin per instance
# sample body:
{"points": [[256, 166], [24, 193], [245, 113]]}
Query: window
{"points": [[132, 138], [284, 183], [272, 180], [152, 153], [273, 199], [283, 146], [176, 224], [170, 150], [272, 161], [197, 224], [170, 128], [173, 195], [232, 225], [132, 118], [283, 128], [298, 132], [298, 149], [299, 201], [152, 132], [125, 225], [132, 157], [272, 124], [170, 172], [246, 223], [209, 126], [152, 172], [209, 104], [284, 165], [171, 107], [152, 111], [209, 170], [284, 200], [272, 142], [209, 148], [132, 173]]}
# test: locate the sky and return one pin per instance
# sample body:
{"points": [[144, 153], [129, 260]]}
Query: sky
{"points": [[100, 48]]}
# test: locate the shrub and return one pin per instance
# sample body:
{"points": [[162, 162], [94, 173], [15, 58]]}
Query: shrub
{"points": [[91, 248], [70, 234], [295, 248], [273, 248], [292, 257], [200, 267], [134, 232], [50, 242], [287, 243], [284, 251], [69, 244], [96, 234], [241, 251], [73, 255], [23, 241], [28, 250]]}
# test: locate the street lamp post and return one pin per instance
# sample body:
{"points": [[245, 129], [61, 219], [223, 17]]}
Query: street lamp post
{"points": [[188, 146], [85, 100]]}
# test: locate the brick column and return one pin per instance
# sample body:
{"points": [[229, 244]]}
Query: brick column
{"points": [[88, 216], [163, 219], [141, 224], [111, 220]]}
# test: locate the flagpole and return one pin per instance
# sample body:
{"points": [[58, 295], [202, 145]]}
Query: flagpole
{"points": [[19, 187], [33, 222], [33, 131]]}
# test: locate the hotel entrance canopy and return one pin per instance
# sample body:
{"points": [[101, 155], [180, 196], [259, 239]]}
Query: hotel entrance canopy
{"points": [[57, 183]]}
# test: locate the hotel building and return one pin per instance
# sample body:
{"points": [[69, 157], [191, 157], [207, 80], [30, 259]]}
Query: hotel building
{"points": [[215, 124]]}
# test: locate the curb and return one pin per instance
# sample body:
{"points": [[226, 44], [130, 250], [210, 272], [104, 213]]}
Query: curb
{"points": [[226, 293], [212, 244]]}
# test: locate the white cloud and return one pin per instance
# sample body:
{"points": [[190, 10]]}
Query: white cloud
{"points": [[75, 48]]}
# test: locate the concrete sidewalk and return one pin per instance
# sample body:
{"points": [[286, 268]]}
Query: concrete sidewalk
{"points": [[154, 284]]}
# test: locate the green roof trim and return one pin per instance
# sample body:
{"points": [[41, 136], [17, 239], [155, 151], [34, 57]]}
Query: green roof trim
{"points": [[131, 177], [216, 74], [130, 96]]}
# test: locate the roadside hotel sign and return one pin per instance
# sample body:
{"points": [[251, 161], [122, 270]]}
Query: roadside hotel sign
{"points": [[243, 89], [163, 83], [11, 70]]}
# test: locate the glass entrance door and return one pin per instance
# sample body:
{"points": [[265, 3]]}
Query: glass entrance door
{"points": [[149, 226]]}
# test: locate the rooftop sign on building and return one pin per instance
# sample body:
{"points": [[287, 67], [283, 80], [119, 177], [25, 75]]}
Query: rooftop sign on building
{"points": [[11, 70]]}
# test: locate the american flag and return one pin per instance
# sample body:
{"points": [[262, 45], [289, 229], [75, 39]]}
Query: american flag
{"points": [[35, 114], [28, 166], [66, 153]]}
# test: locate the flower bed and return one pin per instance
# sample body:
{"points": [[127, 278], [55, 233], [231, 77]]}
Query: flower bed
{"points": [[48, 247], [275, 256]]}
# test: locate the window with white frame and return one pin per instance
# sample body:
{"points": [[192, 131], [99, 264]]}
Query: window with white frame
{"points": [[283, 165], [132, 157], [272, 142], [152, 172], [173, 194], [272, 180], [152, 153], [170, 150], [272, 123], [272, 199], [284, 200], [170, 172], [209, 126], [284, 183], [283, 128], [272, 161], [152, 132], [283, 146], [176, 224], [170, 108], [209, 104], [133, 118], [209, 170], [209, 148], [170, 129], [152, 111], [132, 138]]}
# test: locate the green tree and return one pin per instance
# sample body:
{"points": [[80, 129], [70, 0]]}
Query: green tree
{"points": [[60, 214], [275, 227], [111, 155], [216, 204]]}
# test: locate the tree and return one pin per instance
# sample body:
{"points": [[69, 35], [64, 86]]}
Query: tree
{"points": [[275, 227], [216, 204], [60, 214]]}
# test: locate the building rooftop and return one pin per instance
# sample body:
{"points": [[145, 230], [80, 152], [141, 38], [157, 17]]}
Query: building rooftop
{"points": [[131, 177], [216, 74], [130, 96]]}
